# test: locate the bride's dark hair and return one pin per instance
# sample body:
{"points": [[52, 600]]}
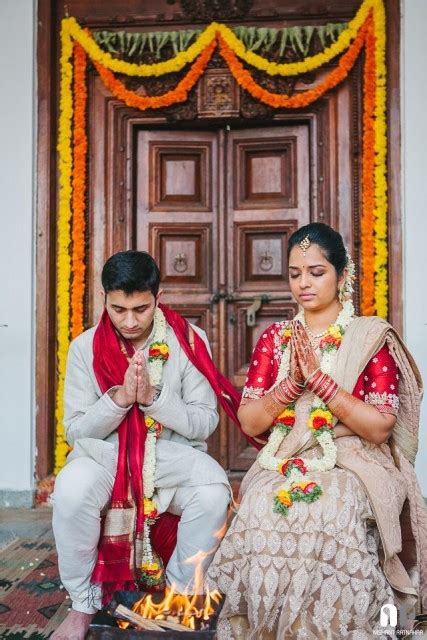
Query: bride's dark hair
{"points": [[330, 242]]}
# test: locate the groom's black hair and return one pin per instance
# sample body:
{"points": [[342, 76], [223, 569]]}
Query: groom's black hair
{"points": [[131, 271], [329, 241]]}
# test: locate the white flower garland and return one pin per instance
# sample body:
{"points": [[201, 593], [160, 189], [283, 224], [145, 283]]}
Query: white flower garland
{"points": [[155, 372], [155, 368], [267, 458]]}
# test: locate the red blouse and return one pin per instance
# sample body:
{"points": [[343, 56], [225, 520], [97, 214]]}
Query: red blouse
{"points": [[378, 384]]}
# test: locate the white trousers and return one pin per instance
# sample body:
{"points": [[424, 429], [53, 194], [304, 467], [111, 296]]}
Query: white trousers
{"points": [[83, 489]]}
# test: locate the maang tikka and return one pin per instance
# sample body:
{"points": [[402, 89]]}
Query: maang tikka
{"points": [[304, 244]]}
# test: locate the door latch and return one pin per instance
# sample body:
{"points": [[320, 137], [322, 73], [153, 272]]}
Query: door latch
{"points": [[252, 311]]}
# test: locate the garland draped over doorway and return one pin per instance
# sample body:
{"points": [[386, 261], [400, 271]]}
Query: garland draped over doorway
{"points": [[365, 32]]}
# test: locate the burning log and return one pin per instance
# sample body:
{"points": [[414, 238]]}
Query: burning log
{"points": [[126, 614], [173, 626]]}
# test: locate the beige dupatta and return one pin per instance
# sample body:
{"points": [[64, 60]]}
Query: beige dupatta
{"points": [[386, 471]]}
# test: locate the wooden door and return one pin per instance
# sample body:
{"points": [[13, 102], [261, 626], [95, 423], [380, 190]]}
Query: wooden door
{"points": [[215, 209]]}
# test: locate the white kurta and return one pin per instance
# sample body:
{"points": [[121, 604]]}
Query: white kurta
{"points": [[188, 481], [186, 408]]}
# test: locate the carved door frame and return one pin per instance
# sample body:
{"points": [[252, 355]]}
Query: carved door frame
{"points": [[48, 17]]}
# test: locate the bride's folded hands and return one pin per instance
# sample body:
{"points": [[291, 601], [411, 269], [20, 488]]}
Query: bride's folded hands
{"points": [[363, 419], [307, 361]]}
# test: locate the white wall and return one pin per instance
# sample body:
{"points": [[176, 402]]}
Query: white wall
{"points": [[414, 182], [16, 245]]}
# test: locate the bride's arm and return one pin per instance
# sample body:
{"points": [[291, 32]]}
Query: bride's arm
{"points": [[257, 416], [363, 419], [260, 406], [372, 418], [372, 408]]}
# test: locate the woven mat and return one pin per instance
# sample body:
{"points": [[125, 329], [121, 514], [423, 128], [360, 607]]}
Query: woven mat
{"points": [[32, 600]]}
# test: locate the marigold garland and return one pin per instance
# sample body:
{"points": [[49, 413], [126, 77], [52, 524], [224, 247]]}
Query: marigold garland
{"points": [[309, 63], [177, 63], [96, 54], [241, 75], [299, 100], [64, 238], [367, 255], [367, 30], [79, 192], [179, 94], [381, 199]]}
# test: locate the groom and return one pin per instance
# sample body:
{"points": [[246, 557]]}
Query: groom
{"points": [[142, 359]]}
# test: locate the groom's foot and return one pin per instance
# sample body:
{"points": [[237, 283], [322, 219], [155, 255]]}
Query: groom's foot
{"points": [[74, 627]]}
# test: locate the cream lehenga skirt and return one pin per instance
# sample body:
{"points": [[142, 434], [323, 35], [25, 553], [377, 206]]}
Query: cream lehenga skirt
{"points": [[312, 574]]}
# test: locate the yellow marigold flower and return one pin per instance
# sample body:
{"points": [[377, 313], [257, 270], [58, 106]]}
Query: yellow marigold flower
{"points": [[149, 421], [163, 348], [302, 485], [286, 413], [285, 497], [334, 331], [322, 413], [150, 566], [149, 506]]}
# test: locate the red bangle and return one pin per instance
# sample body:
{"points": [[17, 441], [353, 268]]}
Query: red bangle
{"points": [[315, 382], [332, 393], [323, 386], [287, 391]]}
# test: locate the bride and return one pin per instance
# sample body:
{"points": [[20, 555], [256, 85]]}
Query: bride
{"points": [[331, 524]]}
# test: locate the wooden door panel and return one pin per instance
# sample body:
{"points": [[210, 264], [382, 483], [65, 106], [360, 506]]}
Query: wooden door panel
{"points": [[242, 455], [184, 255], [174, 183], [198, 314], [265, 173], [270, 168], [245, 338], [179, 175], [269, 198], [260, 250]]}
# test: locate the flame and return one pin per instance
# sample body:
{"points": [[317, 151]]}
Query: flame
{"points": [[179, 607], [192, 611]]}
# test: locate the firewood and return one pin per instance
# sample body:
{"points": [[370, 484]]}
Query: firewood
{"points": [[135, 619], [173, 626]]}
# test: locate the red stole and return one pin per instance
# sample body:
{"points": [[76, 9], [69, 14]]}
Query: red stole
{"points": [[115, 567]]}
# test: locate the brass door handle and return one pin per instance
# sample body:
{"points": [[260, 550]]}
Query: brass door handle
{"points": [[266, 261], [252, 311], [180, 264]]}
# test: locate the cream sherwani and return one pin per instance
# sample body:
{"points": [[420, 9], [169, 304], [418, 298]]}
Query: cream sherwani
{"points": [[188, 481]]}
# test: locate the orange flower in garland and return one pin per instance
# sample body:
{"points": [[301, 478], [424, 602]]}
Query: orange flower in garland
{"points": [[305, 98], [79, 192], [368, 179], [179, 94]]}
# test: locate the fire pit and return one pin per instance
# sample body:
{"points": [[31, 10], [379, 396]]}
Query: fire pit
{"points": [[167, 616]]}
